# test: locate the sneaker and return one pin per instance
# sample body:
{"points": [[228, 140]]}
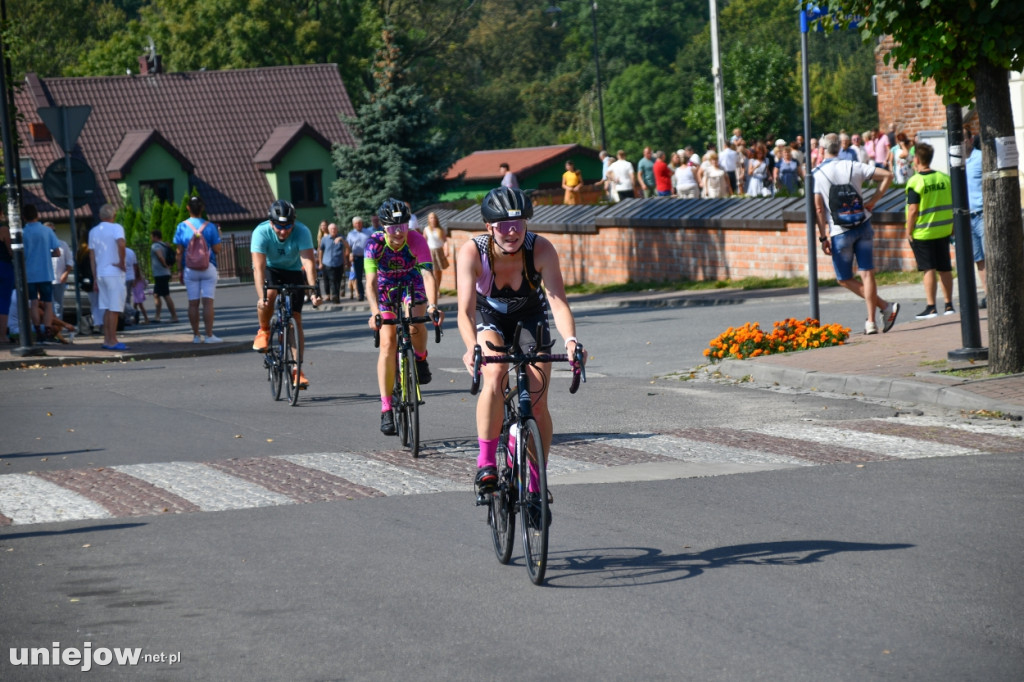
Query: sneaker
{"points": [[262, 341], [387, 423], [889, 316], [533, 509], [197, 339], [423, 371], [949, 310], [928, 313], [870, 327], [303, 381], [213, 339], [486, 479]]}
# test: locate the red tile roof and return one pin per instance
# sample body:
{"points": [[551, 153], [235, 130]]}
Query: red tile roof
{"points": [[134, 143], [221, 122], [483, 166]]}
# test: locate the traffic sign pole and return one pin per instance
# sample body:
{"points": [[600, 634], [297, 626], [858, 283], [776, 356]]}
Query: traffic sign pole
{"points": [[68, 145]]}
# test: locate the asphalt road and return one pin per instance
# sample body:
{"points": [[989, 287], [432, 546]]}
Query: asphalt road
{"points": [[893, 565]]}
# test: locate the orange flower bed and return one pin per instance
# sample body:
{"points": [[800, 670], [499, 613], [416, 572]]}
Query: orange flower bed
{"points": [[750, 341]]}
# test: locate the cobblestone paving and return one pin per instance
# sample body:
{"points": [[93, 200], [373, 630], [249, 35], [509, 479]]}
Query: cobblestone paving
{"points": [[180, 487]]}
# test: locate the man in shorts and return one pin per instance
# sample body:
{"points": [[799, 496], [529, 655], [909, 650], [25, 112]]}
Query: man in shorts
{"points": [[41, 246], [107, 252], [929, 224], [282, 253], [844, 241], [161, 276]]}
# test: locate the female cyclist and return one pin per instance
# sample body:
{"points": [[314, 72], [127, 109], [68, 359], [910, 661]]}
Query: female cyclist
{"points": [[397, 257], [507, 276]]}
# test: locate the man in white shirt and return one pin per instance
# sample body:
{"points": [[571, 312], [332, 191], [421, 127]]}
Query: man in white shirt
{"points": [[107, 251], [622, 177], [728, 160]]}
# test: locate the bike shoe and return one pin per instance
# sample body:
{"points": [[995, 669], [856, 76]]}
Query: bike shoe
{"points": [[262, 341], [533, 510], [486, 479], [423, 372], [387, 423]]}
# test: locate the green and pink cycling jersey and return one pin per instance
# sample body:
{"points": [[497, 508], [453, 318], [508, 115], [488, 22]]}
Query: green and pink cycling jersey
{"points": [[397, 269]]}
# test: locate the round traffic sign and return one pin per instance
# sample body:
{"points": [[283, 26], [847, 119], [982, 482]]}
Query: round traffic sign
{"points": [[55, 182]]}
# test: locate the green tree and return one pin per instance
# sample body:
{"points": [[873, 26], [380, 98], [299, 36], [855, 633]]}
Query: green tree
{"points": [[401, 153], [759, 85], [643, 107], [944, 40]]}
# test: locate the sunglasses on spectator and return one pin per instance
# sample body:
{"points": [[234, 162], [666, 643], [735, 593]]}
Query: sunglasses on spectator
{"points": [[505, 227], [395, 230]]}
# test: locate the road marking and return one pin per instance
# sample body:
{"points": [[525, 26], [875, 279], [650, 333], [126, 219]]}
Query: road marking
{"points": [[25, 498], [205, 487], [177, 487]]}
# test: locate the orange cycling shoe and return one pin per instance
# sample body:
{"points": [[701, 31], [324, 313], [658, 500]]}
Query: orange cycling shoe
{"points": [[262, 341], [303, 381]]}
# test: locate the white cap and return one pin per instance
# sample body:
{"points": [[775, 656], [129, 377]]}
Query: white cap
{"points": [[695, 159], [780, 142]]}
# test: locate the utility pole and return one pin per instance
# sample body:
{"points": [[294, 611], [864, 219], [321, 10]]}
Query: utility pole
{"points": [[716, 74]]}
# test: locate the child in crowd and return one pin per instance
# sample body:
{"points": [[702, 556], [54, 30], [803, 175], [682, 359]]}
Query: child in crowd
{"points": [[139, 295], [352, 281]]}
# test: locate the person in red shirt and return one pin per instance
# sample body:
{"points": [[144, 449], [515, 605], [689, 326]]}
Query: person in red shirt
{"points": [[662, 175]]}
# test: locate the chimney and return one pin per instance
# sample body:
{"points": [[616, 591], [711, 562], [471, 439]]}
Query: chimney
{"points": [[150, 63]]}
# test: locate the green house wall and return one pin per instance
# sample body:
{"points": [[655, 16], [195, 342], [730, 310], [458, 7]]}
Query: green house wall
{"points": [[306, 155], [155, 163]]}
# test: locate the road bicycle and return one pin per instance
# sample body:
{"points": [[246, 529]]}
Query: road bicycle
{"points": [[283, 358], [520, 444], [406, 397]]}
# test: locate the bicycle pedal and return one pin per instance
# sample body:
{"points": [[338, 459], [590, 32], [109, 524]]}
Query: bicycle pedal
{"points": [[482, 500]]}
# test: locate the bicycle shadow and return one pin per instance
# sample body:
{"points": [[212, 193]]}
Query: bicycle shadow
{"points": [[635, 566]]}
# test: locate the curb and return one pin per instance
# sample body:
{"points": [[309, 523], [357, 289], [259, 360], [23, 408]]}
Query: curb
{"points": [[865, 385]]}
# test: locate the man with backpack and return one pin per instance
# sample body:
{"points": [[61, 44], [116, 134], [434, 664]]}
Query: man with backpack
{"points": [[198, 243], [844, 226], [162, 259]]}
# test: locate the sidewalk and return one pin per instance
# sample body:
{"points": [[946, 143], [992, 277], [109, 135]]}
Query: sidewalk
{"points": [[908, 364]]}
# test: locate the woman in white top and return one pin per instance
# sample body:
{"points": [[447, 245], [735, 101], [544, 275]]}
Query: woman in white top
{"points": [[686, 179], [715, 181], [437, 242]]}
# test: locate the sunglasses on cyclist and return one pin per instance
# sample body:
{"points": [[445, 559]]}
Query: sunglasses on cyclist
{"points": [[395, 230], [283, 228], [506, 227]]}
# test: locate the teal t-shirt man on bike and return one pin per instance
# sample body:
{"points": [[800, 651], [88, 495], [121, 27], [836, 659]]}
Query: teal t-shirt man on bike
{"points": [[282, 253]]}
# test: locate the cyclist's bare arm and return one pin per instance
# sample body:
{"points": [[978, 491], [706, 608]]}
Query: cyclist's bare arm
{"points": [[545, 259], [309, 266], [259, 276]]}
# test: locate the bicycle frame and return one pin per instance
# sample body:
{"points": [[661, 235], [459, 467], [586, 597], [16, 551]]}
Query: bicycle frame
{"points": [[276, 359]]}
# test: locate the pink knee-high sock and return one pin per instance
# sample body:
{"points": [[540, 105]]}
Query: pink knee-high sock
{"points": [[488, 452], [534, 477]]}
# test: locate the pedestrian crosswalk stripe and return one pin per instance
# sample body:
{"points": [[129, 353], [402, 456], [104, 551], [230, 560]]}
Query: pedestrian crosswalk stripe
{"points": [[896, 446], [29, 499], [207, 488], [387, 478]]}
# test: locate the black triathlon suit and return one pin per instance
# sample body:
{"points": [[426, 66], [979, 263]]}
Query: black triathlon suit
{"points": [[500, 309]]}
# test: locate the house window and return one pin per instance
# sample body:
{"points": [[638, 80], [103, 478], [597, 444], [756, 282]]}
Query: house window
{"points": [[307, 188], [162, 189], [28, 170]]}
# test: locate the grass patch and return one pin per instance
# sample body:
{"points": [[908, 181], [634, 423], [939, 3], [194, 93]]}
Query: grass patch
{"points": [[973, 373]]}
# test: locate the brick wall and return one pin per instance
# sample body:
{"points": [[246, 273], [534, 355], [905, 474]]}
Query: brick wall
{"points": [[621, 254], [911, 106]]}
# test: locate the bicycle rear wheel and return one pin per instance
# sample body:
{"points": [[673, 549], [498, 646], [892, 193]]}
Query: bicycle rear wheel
{"points": [[535, 517], [501, 511], [292, 364], [412, 402]]}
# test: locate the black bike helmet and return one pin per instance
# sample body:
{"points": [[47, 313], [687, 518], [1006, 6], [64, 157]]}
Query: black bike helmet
{"points": [[282, 212], [393, 212], [505, 203]]}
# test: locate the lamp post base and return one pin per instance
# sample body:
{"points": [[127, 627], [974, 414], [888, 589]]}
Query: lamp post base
{"points": [[968, 354]]}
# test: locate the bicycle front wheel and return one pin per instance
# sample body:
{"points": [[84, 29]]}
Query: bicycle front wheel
{"points": [[501, 511], [292, 364], [276, 353], [535, 517], [412, 402], [398, 405]]}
